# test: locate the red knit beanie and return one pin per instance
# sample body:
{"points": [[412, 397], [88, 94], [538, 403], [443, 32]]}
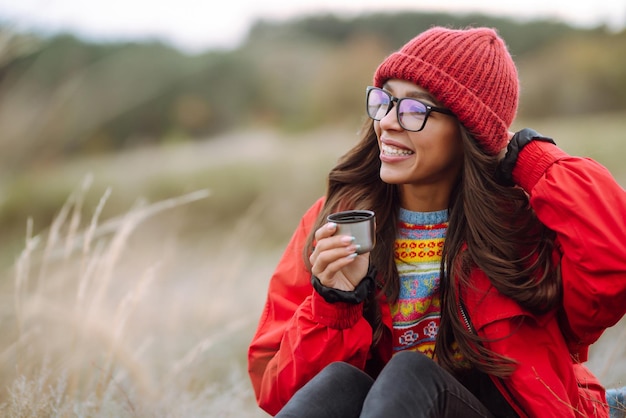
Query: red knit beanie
{"points": [[469, 71]]}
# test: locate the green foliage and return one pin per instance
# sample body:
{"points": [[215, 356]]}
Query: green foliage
{"points": [[63, 96], [575, 76], [396, 28]]}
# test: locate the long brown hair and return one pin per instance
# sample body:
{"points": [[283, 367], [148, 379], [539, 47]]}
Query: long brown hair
{"points": [[354, 183], [491, 227]]}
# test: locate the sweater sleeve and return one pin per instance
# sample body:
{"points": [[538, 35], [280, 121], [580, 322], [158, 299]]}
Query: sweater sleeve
{"points": [[299, 333], [580, 200]]}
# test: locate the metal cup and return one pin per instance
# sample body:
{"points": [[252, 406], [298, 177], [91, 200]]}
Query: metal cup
{"points": [[360, 224]]}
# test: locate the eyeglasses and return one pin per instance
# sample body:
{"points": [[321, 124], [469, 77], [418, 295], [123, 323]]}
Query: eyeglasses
{"points": [[411, 113]]}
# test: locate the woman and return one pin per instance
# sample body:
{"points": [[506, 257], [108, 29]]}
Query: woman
{"points": [[496, 322]]}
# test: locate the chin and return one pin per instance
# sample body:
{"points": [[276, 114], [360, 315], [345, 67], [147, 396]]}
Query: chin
{"points": [[389, 178]]}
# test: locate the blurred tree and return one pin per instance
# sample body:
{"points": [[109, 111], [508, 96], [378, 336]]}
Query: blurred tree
{"points": [[63, 96], [575, 75], [67, 91]]}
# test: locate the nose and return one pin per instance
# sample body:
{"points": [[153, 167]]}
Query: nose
{"points": [[390, 120]]}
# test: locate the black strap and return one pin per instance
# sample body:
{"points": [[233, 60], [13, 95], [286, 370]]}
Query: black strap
{"points": [[358, 295], [504, 172]]}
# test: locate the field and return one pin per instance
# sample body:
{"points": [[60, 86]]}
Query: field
{"points": [[140, 297]]}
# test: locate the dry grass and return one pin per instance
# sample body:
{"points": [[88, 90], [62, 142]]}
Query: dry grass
{"points": [[149, 314], [101, 331]]}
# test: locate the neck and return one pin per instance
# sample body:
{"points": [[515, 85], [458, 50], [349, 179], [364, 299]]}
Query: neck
{"points": [[424, 198]]}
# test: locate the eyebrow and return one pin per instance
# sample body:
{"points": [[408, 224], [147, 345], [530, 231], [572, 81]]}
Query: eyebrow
{"points": [[422, 95]]}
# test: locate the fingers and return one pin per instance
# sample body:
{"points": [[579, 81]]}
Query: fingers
{"points": [[332, 252], [502, 154], [325, 231], [503, 151], [335, 255]]}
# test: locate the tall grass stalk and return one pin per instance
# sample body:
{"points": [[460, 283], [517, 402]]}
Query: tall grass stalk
{"points": [[83, 344]]}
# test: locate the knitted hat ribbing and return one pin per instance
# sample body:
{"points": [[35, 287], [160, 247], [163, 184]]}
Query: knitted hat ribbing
{"points": [[469, 71]]}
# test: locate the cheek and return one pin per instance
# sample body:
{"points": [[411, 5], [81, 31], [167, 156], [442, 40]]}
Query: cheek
{"points": [[451, 138], [377, 129], [443, 144], [455, 145]]}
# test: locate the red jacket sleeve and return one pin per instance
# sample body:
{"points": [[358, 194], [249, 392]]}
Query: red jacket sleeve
{"points": [[544, 383], [579, 200], [299, 333]]}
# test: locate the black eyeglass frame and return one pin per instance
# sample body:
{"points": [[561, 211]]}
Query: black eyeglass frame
{"points": [[393, 99]]}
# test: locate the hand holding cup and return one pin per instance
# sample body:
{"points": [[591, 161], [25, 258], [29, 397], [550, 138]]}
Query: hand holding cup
{"points": [[340, 258]]}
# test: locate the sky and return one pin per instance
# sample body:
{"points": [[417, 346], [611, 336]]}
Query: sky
{"points": [[197, 25]]}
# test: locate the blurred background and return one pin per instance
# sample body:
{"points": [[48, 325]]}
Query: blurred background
{"points": [[155, 159]]}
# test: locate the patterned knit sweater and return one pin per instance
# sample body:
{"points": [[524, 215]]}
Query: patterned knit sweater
{"points": [[418, 249]]}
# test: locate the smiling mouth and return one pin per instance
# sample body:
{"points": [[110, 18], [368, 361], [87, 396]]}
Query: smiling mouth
{"points": [[393, 151]]}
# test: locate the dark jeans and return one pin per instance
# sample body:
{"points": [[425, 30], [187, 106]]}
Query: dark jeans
{"points": [[410, 385]]}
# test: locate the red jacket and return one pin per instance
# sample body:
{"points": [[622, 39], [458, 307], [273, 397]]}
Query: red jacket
{"points": [[299, 332]]}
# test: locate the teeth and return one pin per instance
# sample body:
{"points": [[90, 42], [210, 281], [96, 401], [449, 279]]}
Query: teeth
{"points": [[389, 150]]}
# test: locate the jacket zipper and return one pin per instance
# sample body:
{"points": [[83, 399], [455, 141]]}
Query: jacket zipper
{"points": [[497, 381], [468, 324]]}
